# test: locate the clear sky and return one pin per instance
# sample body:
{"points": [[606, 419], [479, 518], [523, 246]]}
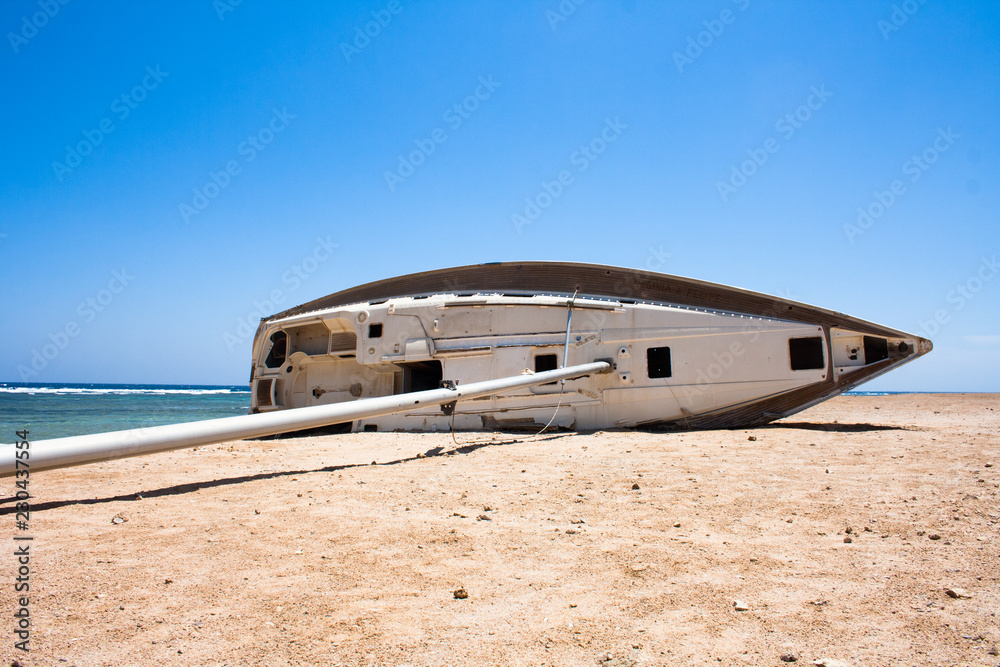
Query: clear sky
{"points": [[172, 171]]}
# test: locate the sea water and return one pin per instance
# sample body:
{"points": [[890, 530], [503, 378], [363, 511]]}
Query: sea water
{"points": [[55, 410]]}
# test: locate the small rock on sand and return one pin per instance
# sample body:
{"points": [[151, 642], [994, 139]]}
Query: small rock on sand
{"points": [[740, 605], [460, 594], [791, 656], [958, 593]]}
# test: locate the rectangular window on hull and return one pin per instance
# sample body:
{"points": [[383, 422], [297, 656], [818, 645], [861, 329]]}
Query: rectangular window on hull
{"points": [[806, 354], [546, 362], [658, 362], [876, 349], [421, 375]]}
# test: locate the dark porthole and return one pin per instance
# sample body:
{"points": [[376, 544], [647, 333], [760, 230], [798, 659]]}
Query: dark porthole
{"points": [[806, 354], [546, 362], [658, 362], [279, 346]]}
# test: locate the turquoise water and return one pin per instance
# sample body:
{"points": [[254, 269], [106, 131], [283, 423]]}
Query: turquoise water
{"points": [[56, 410]]}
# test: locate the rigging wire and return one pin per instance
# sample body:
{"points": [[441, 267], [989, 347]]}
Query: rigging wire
{"points": [[562, 383]]}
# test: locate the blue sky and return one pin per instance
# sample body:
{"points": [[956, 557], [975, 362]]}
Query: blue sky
{"points": [[172, 171]]}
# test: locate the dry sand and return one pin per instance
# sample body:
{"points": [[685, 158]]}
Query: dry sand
{"points": [[612, 548]]}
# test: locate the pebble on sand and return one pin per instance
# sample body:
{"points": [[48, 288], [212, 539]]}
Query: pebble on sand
{"points": [[791, 656], [958, 593], [740, 605], [460, 594]]}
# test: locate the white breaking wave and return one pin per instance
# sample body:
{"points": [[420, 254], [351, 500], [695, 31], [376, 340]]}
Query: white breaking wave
{"points": [[92, 391]]}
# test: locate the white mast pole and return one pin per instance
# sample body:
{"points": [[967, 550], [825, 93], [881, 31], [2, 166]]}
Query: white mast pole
{"points": [[79, 450]]}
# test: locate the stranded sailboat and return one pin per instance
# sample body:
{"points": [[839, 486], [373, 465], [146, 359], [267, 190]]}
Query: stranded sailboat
{"points": [[520, 345], [684, 353]]}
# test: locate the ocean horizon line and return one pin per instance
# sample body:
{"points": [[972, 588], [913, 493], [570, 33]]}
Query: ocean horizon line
{"points": [[222, 388], [32, 388]]}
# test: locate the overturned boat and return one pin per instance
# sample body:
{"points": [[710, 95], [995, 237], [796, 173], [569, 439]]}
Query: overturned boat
{"points": [[683, 353], [525, 345]]}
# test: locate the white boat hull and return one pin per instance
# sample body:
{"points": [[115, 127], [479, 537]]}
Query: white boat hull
{"points": [[686, 354]]}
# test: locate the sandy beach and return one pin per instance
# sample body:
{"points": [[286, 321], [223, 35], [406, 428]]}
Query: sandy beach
{"points": [[860, 532]]}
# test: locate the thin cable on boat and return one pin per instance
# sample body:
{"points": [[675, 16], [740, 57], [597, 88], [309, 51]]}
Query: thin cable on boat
{"points": [[558, 405], [562, 383]]}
